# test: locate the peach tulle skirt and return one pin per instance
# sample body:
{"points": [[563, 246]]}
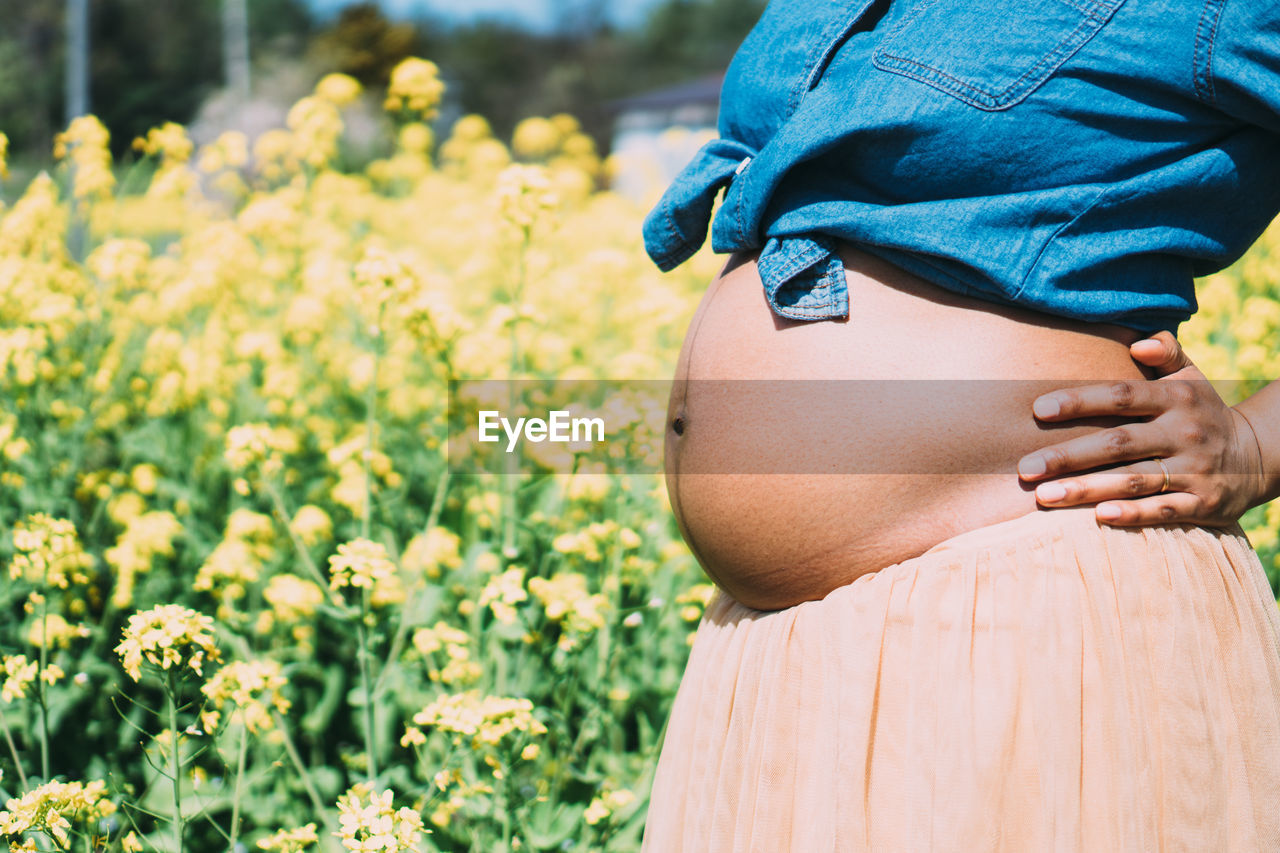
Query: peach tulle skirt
{"points": [[1042, 684]]}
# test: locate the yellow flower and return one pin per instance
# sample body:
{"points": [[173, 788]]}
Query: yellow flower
{"points": [[415, 88], [143, 478], [696, 598], [4, 156], [486, 720], [596, 812], [171, 144], [290, 840], [606, 804], [432, 551], [274, 155], [524, 193], [145, 536], [126, 506], [535, 138], [311, 524], [316, 125], [502, 593], [628, 538], [338, 89], [360, 563], [167, 636], [169, 141], [84, 144], [255, 529], [253, 687], [45, 809], [229, 151], [292, 598], [459, 668], [48, 552], [230, 567], [369, 822], [258, 444], [381, 275], [51, 630], [566, 601], [35, 227], [19, 673], [471, 128], [415, 138]]}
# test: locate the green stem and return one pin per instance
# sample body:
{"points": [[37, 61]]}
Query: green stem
{"points": [[508, 482], [13, 750], [40, 686], [370, 421], [505, 811], [437, 499], [235, 801], [171, 690], [366, 684], [57, 845], [277, 501], [366, 524], [402, 630], [397, 646], [312, 794], [289, 747]]}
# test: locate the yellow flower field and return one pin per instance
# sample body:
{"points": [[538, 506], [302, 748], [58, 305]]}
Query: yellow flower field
{"points": [[249, 602]]}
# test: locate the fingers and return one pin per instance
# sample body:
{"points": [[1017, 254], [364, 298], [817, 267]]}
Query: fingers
{"points": [[1137, 480], [1161, 351], [1130, 398], [1158, 509], [1105, 447]]}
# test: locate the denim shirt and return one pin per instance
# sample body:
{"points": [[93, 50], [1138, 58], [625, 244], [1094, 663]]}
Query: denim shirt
{"points": [[1085, 158]]}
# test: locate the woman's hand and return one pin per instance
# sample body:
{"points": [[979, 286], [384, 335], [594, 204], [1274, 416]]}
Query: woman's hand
{"points": [[1212, 457]]}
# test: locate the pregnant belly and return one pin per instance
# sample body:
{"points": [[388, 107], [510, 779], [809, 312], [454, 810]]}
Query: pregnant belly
{"points": [[801, 455]]}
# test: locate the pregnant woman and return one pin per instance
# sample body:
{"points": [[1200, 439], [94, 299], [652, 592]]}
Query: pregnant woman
{"points": [[971, 512]]}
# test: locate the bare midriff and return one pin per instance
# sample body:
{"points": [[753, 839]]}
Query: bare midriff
{"points": [[782, 503]]}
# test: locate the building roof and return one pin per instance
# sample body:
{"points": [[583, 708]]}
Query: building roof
{"points": [[703, 90]]}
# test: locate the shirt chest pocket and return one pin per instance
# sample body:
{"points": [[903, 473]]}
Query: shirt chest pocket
{"points": [[990, 53]]}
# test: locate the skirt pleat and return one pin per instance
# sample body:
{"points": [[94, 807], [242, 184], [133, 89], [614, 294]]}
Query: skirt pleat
{"points": [[1041, 684]]}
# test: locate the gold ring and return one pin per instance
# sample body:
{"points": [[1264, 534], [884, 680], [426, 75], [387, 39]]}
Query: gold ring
{"points": [[1164, 488]]}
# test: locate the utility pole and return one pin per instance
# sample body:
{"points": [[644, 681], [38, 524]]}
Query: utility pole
{"points": [[235, 47], [77, 58]]}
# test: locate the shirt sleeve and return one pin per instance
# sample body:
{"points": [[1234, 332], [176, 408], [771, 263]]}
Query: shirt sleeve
{"points": [[1238, 60]]}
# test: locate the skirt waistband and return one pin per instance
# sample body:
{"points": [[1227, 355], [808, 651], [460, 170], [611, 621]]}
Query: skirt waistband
{"points": [[1044, 525]]}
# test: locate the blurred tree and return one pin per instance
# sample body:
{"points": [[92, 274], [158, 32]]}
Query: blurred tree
{"points": [[506, 74], [150, 61], [31, 54], [687, 38], [154, 60], [364, 44]]}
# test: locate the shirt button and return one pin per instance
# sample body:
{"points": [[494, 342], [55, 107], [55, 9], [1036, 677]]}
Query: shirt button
{"points": [[741, 166]]}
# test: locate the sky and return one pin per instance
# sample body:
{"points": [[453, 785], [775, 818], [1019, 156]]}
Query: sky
{"points": [[537, 14]]}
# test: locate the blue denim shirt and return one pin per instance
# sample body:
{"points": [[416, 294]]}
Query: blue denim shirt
{"points": [[1086, 158]]}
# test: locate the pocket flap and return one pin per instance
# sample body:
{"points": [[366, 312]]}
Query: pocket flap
{"points": [[990, 53]]}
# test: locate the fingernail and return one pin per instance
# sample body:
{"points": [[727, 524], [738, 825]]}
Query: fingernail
{"points": [[1031, 466], [1051, 492], [1045, 407], [1110, 511]]}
